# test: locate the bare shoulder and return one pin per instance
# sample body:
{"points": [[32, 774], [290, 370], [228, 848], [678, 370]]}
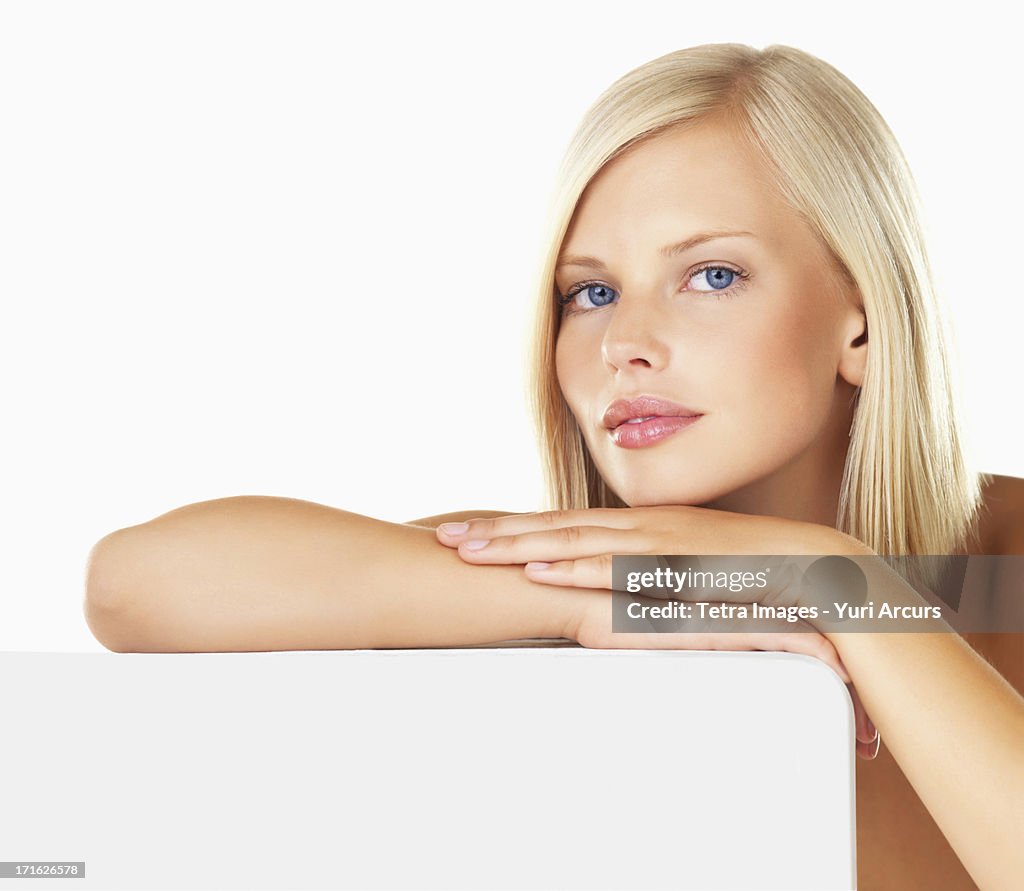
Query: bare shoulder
{"points": [[457, 516], [1001, 516]]}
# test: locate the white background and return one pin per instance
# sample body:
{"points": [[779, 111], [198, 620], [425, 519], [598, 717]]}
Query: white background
{"points": [[285, 249]]}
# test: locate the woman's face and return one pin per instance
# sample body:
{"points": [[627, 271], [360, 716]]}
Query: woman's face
{"points": [[754, 332]]}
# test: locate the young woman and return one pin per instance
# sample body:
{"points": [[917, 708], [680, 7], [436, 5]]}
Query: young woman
{"points": [[738, 350]]}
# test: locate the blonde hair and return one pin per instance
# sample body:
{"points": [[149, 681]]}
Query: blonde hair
{"points": [[906, 486]]}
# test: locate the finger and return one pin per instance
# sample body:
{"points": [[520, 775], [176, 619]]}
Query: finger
{"points": [[869, 751], [516, 524], [552, 545], [585, 572], [588, 572], [597, 572], [719, 634], [865, 730]]}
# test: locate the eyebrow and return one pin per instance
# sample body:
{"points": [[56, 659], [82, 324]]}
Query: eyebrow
{"points": [[670, 250]]}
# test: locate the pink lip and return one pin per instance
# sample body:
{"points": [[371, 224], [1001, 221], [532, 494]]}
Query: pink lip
{"points": [[647, 433], [622, 410]]}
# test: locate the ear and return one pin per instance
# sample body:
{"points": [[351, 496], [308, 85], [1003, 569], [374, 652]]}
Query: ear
{"points": [[853, 357]]}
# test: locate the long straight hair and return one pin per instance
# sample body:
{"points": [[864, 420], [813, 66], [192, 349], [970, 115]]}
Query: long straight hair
{"points": [[906, 488]]}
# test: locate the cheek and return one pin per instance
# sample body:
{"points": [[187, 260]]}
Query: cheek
{"points": [[571, 369], [784, 382]]}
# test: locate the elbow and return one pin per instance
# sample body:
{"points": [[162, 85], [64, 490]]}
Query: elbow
{"points": [[107, 588]]}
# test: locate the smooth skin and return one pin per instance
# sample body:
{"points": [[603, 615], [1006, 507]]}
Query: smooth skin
{"points": [[772, 360]]}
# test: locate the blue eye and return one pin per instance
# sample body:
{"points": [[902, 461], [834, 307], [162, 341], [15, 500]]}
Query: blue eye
{"points": [[588, 296], [719, 277], [600, 295]]}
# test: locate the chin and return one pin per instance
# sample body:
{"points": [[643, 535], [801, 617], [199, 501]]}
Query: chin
{"points": [[643, 494]]}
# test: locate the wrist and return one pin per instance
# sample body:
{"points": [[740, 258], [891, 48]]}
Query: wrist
{"points": [[892, 604], [583, 617]]}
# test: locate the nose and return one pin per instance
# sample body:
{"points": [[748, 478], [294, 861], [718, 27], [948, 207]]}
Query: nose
{"points": [[632, 339]]}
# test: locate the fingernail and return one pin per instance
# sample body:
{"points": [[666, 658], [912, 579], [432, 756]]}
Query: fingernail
{"points": [[453, 528], [537, 566], [871, 729], [476, 544]]}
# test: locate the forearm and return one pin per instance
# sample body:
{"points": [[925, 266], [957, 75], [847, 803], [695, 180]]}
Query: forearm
{"points": [[954, 725], [261, 573], [956, 728]]}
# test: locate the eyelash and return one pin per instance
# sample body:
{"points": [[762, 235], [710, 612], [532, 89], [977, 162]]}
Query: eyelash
{"points": [[566, 300]]}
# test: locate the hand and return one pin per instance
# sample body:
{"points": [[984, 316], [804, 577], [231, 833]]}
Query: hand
{"points": [[575, 548]]}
